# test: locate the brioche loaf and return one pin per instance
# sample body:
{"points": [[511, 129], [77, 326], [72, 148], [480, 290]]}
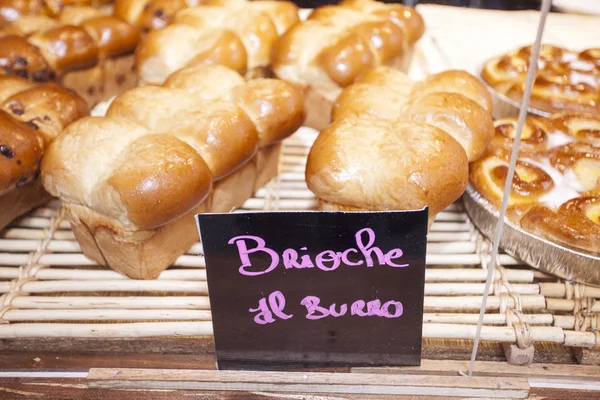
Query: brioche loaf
{"points": [[83, 48], [131, 181], [237, 34], [397, 145], [31, 116], [328, 51]]}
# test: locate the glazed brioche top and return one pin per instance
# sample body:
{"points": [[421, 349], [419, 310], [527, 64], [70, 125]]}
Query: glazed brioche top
{"points": [[337, 43], [40, 47], [565, 81], [12, 10], [237, 34], [396, 145], [158, 150], [155, 14], [31, 116]]}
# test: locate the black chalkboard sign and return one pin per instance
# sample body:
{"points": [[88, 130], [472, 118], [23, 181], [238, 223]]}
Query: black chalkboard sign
{"points": [[315, 289]]}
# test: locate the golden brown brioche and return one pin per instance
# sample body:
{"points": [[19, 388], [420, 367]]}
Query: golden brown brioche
{"points": [[374, 164], [237, 34], [386, 93], [31, 116], [82, 47], [131, 180], [583, 127], [534, 138], [565, 80], [557, 177], [458, 115], [530, 182], [575, 224], [336, 44], [455, 81], [13, 10]]}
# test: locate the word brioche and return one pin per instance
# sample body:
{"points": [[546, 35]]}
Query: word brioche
{"points": [[83, 48], [336, 44], [237, 34], [31, 116], [566, 81], [397, 145], [556, 187], [132, 181]]}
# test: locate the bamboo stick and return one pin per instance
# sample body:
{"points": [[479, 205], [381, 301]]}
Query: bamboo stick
{"points": [[566, 305], [67, 246], [528, 302], [559, 290], [37, 222], [452, 289], [431, 274], [35, 234], [491, 333], [106, 315], [579, 339], [488, 319], [112, 285], [477, 275], [75, 259], [108, 302], [122, 330], [288, 194], [204, 328], [101, 274]]}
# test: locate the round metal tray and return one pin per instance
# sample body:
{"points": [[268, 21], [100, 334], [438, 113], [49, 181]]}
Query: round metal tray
{"points": [[542, 254]]}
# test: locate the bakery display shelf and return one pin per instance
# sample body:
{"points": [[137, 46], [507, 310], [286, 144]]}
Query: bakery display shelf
{"points": [[50, 290]]}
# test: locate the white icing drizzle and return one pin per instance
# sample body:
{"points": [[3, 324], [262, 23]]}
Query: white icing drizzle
{"points": [[566, 186], [558, 138]]}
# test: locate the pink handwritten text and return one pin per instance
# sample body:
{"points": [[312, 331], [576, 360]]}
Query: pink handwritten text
{"points": [[365, 253]]}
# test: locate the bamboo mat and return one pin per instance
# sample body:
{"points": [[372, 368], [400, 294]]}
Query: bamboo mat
{"points": [[51, 290]]}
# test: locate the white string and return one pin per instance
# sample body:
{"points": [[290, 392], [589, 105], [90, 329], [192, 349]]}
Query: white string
{"points": [[545, 9]]}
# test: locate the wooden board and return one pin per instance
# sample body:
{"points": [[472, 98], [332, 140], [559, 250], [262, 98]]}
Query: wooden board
{"points": [[309, 382]]}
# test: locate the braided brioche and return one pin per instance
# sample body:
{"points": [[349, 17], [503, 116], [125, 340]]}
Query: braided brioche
{"points": [[565, 80], [396, 145], [31, 116], [237, 34], [557, 178], [84, 48], [13, 10], [132, 180], [330, 50]]}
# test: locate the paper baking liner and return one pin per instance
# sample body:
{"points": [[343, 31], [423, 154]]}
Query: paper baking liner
{"points": [[540, 253], [505, 107]]}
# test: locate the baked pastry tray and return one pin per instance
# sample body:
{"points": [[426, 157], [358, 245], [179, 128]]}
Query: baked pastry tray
{"points": [[538, 252]]}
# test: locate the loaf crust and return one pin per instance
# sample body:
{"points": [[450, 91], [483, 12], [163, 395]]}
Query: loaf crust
{"points": [[237, 34], [31, 116], [163, 154], [399, 145], [331, 49], [84, 48]]}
